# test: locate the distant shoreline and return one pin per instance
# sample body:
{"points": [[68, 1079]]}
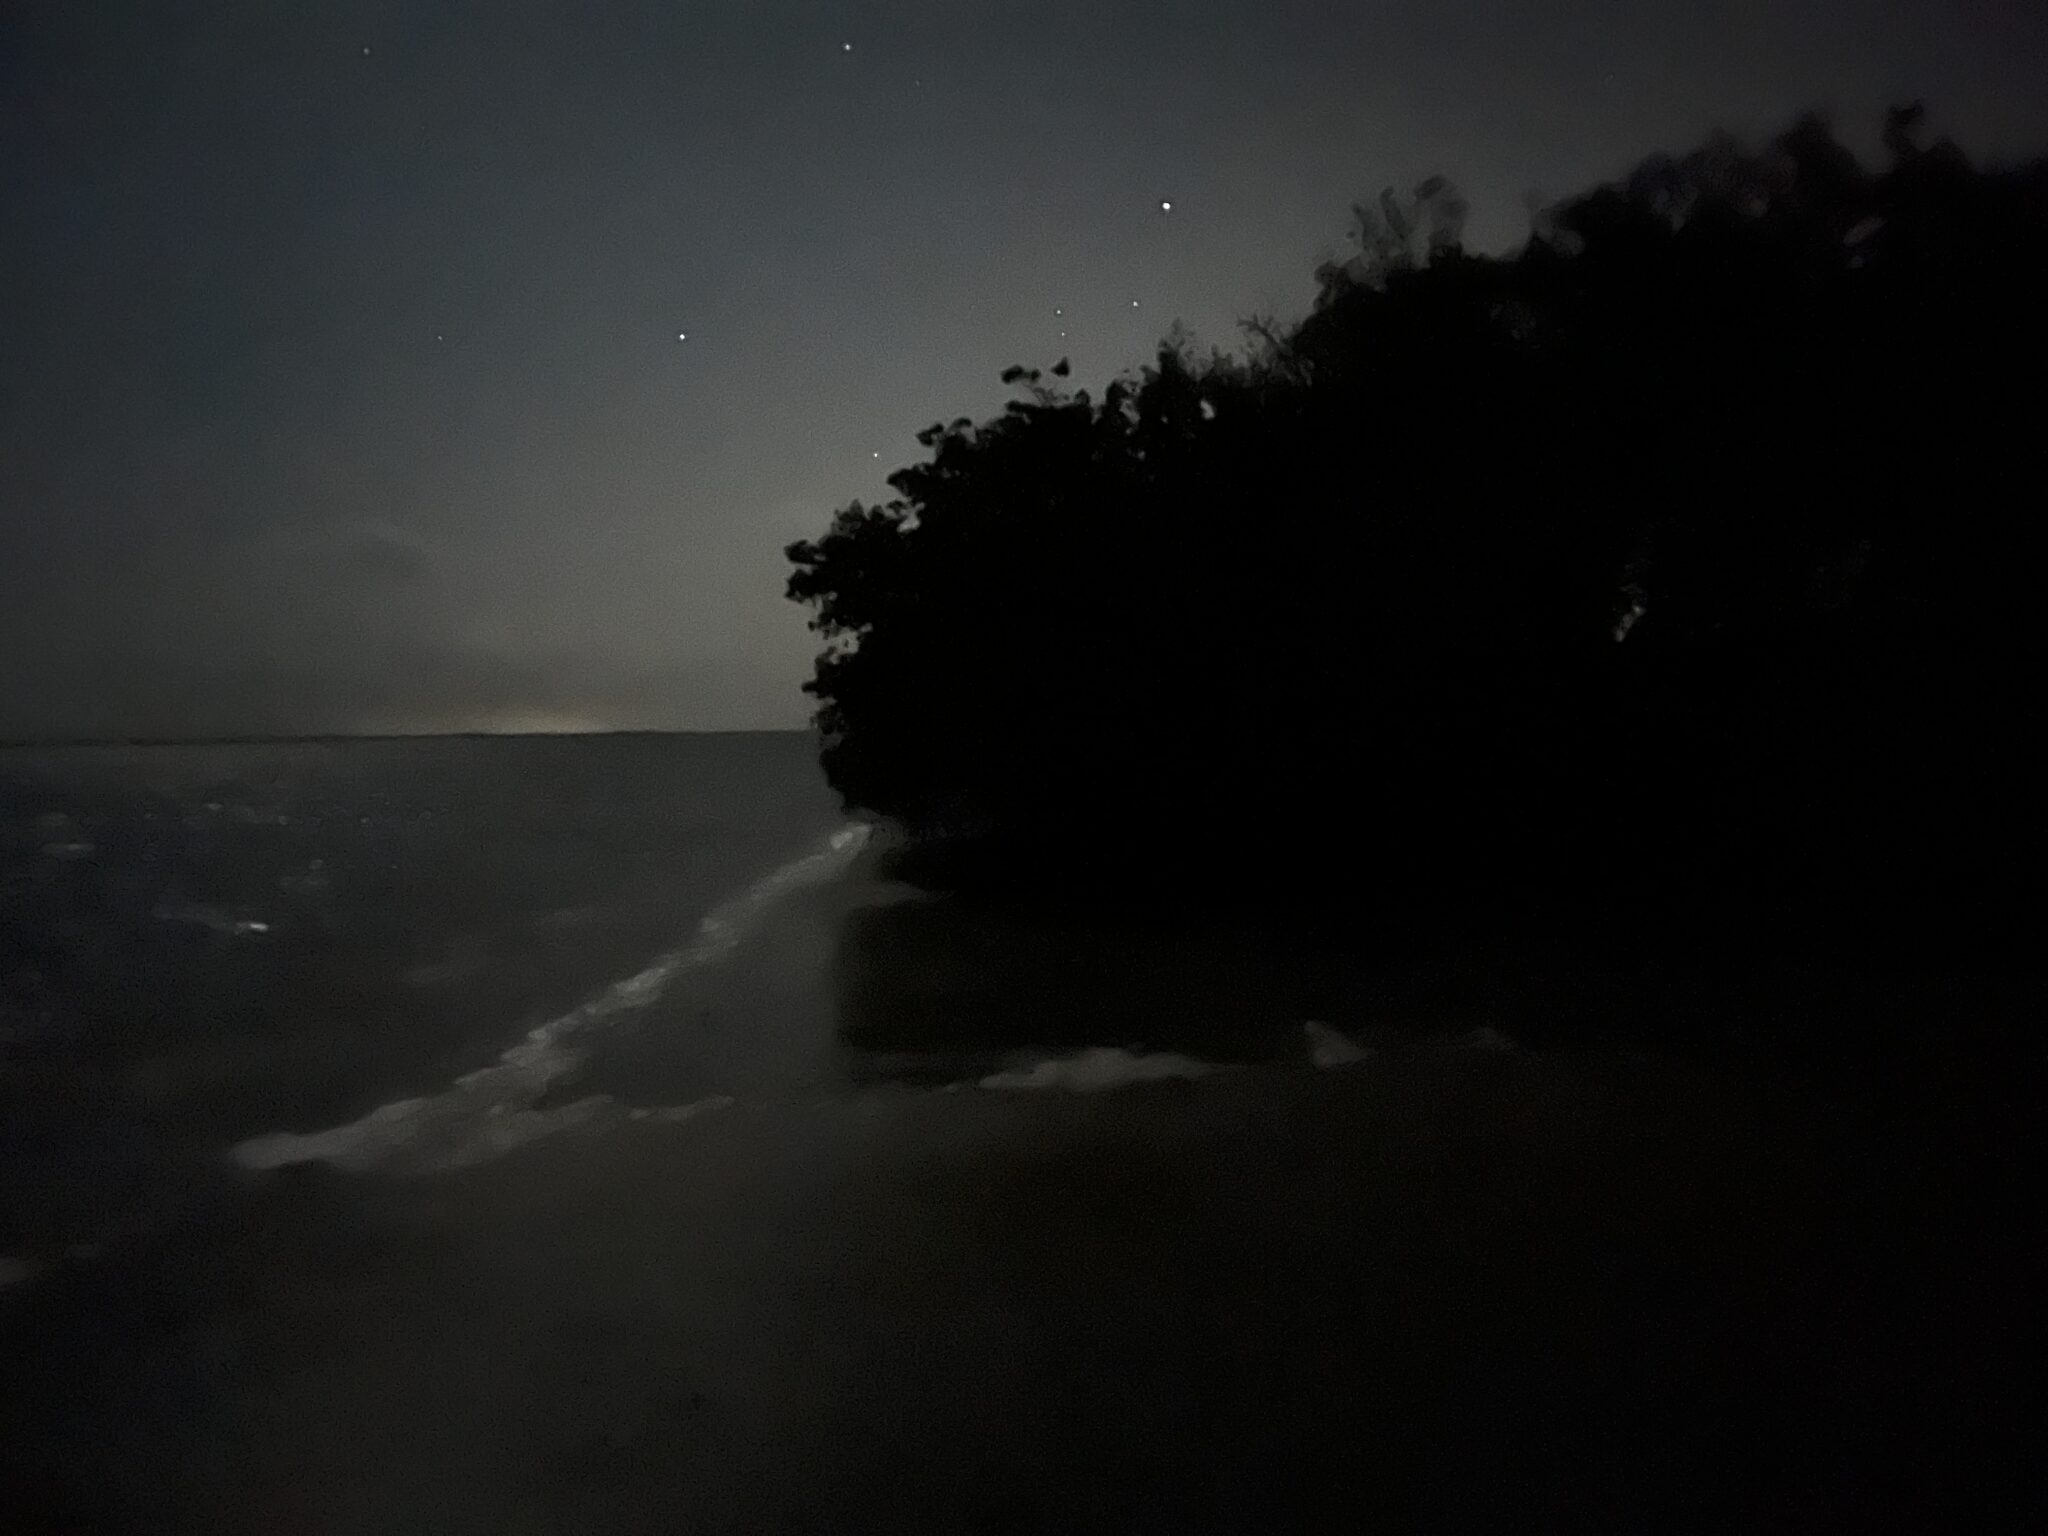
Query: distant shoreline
{"points": [[16, 744]]}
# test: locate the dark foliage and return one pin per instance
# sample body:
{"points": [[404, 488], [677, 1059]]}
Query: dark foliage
{"points": [[1687, 558]]}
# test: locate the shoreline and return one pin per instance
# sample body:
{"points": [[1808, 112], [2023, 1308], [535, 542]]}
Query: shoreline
{"points": [[1422, 1281], [1443, 1291]]}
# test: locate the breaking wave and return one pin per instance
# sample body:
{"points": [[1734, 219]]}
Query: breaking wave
{"points": [[1329, 1047], [1101, 1069], [218, 919], [488, 1112]]}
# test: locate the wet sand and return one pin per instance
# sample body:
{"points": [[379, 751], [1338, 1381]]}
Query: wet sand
{"points": [[1443, 1289]]}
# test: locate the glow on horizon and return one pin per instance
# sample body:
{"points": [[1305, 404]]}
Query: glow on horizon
{"points": [[500, 722], [541, 722]]}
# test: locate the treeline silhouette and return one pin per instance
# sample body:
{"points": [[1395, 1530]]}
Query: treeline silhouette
{"points": [[1685, 561]]}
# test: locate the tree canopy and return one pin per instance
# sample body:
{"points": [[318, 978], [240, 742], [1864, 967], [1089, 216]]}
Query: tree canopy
{"points": [[1689, 550]]}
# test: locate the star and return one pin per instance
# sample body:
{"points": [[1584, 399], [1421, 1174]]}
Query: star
{"points": [[846, 47], [875, 455], [1059, 312], [366, 52], [1134, 303], [682, 335], [1165, 205]]}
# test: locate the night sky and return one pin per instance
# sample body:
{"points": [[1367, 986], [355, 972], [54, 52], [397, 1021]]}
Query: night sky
{"points": [[342, 374]]}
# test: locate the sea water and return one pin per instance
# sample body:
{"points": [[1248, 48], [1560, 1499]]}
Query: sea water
{"points": [[377, 953]]}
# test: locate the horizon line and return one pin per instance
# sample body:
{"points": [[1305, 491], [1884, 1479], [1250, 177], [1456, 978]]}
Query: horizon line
{"points": [[256, 739]]}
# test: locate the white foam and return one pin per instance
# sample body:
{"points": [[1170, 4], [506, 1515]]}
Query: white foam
{"points": [[218, 919], [1328, 1047], [310, 881], [1102, 1068], [681, 1114], [487, 1112]]}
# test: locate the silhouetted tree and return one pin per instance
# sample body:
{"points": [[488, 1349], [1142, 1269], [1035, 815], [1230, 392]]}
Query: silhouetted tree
{"points": [[1688, 552]]}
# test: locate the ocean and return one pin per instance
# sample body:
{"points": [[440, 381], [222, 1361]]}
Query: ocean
{"points": [[384, 954], [540, 1135]]}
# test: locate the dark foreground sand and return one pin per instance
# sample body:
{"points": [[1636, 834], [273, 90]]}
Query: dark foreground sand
{"points": [[1445, 1289]]}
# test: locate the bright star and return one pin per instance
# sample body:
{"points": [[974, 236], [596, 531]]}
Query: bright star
{"points": [[682, 335], [846, 47], [1165, 206]]}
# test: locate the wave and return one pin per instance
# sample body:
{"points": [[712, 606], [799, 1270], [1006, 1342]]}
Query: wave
{"points": [[485, 1113], [219, 919], [1329, 1047], [1102, 1068]]}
